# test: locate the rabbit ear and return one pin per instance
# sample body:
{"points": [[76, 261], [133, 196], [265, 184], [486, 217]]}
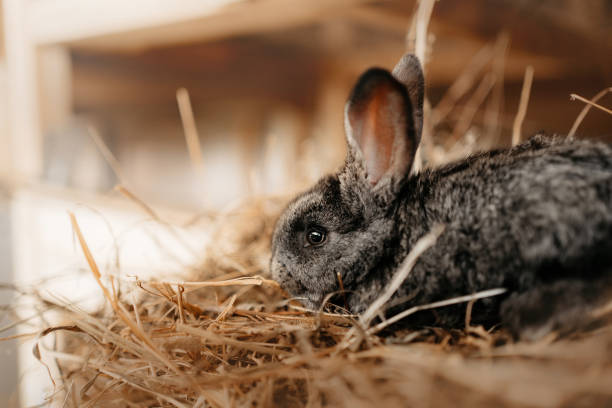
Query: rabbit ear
{"points": [[408, 71], [380, 129]]}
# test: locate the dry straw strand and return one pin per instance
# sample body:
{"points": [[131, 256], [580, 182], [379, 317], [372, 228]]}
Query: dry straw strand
{"points": [[473, 104], [189, 128], [420, 27], [588, 102], [522, 110], [585, 110], [109, 157], [434, 305], [422, 245]]}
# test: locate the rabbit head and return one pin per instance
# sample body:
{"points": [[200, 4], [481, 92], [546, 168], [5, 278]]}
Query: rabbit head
{"points": [[342, 227]]}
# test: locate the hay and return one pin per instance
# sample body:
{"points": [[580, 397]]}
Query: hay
{"points": [[589, 103], [522, 110], [236, 340]]}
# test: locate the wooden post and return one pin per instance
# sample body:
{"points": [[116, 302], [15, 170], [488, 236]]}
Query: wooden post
{"points": [[54, 74], [24, 140]]}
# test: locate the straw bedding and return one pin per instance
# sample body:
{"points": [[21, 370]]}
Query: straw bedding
{"points": [[235, 341]]}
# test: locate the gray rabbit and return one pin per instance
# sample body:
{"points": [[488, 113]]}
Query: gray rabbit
{"points": [[535, 219]]}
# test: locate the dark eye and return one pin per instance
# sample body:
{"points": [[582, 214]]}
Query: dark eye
{"points": [[316, 236]]}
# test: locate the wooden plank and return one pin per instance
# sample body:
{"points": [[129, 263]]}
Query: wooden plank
{"points": [[24, 135], [118, 24], [55, 78], [5, 153], [1, 31], [213, 73], [8, 358], [88, 19]]}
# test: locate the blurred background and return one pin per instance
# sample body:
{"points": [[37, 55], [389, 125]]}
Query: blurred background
{"points": [[199, 103]]}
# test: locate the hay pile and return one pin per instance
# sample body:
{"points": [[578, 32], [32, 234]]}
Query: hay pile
{"points": [[238, 341]]}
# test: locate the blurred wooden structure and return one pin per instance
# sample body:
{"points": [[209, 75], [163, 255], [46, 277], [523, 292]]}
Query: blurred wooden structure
{"points": [[67, 56], [267, 80]]}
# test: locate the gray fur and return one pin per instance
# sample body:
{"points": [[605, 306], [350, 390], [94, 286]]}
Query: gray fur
{"points": [[535, 219]]}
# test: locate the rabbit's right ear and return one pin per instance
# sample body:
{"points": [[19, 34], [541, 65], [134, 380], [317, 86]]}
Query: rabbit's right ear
{"points": [[383, 120]]}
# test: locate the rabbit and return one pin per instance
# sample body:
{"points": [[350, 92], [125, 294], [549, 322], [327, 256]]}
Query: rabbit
{"points": [[534, 219]]}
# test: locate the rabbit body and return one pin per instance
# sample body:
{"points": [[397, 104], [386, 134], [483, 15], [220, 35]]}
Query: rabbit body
{"points": [[535, 219], [523, 219]]}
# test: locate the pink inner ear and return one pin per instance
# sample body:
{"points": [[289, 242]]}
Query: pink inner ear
{"points": [[378, 122]]}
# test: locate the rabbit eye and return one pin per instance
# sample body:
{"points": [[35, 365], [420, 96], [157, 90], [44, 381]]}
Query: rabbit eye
{"points": [[316, 236]]}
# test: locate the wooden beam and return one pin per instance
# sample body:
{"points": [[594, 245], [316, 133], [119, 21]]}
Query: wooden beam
{"points": [[1, 31], [89, 19], [117, 24], [55, 89], [233, 69]]}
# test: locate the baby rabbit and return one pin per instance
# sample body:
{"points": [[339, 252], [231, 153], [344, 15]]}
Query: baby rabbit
{"points": [[535, 219]]}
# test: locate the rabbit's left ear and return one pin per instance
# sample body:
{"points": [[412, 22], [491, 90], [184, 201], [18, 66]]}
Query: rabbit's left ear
{"points": [[380, 129]]}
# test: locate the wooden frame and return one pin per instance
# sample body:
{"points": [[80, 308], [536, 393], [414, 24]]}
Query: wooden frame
{"points": [[31, 27]]}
